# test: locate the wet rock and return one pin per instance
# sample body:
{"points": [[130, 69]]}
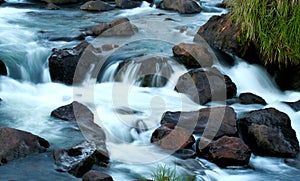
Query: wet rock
{"points": [[72, 112], [171, 137], [3, 70], [294, 105], [94, 175], [268, 132], [2, 1], [250, 98], [96, 6], [226, 151], [51, 6], [61, 1], [117, 27], [185, 153], [193, 55], [204, 86], [211, 123], [79, 159], [182, 6], [15, 144], [221, 33], [63, 63], [127, 4]]}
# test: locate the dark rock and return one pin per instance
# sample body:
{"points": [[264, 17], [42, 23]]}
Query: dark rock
{"points": [[127, 4], [249, 98], [268, 132], [193, 55], [226, 151], [52, 6], [171, 137], [211, 123], [15, 144], [79, 159], [72, 112], [118, 27], [203, 86], [3, 70], [185, 153], [65, 2], [294, 105], [96, 6], [94, 175], [63, 63], [2, 1], [182, 6], [221, 33]]}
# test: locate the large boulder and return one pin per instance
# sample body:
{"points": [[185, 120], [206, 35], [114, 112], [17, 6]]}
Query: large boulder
{"points": [[171, 137], [221, 33], [226, 151], [193, 55], [15, 143], [63, 63], [127, 4], [268, 132], [117, 27], [182, 6], [211, 123], [79, 159], [3, 70], [96, 6], [204, 86], [94, 175]]}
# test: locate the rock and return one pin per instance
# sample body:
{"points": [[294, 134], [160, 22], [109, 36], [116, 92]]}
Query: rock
{"points": [[117, 27], [211, 123], [3, 70], [204, 86], [249, 98], [127, 4], [294, 105], [171, 137], [221, 33], [63, 63], [193, 55], [185, 153], [15, 144], [268, 132], [79, 159], [182, 6], [51, 6], [226, 151], [94, 175], [61, 1], [72, 112], [96, 6], [2, 1]]}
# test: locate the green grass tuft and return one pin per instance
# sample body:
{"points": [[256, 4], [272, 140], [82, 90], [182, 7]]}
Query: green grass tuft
{"points": [[273, 26], [164, 173]]}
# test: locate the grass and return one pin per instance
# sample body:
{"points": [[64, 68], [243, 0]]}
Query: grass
{"points": [[165, 173], [273, 26]]}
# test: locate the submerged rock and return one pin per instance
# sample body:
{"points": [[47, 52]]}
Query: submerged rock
{"points": [[117, 27], [268, 132], [15, 144], [79, 159], [182, 6], [193, 55], [3, 70], [171, 137], [226, 151], [294, 105], [211, 123], [63, 63], [250, 98], [204, 86], [96, 6], [94, 175]]}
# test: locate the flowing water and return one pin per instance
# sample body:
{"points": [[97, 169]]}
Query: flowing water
{"points": [[29, 96]]}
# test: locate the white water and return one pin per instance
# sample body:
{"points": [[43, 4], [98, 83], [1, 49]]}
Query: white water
{"points": [[27, 105]]}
